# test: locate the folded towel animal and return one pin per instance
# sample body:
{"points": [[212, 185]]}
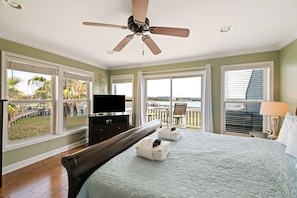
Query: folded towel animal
{"points": [[145, 149], [170, 133]]}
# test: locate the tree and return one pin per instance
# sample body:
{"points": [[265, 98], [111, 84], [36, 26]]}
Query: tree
{"points": [[41, 86], [74, 89], [13, 94]]}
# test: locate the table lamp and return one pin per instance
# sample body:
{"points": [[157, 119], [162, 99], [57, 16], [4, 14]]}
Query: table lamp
{"points": [[274, 110]]}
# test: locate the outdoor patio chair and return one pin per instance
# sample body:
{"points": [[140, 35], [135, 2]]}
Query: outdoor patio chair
{"points": [[179, 112]]}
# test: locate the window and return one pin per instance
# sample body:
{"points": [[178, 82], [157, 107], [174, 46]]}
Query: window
{"points": [[75, 101], [36, 96], [123, 85], [244, 87], [30, 101]]}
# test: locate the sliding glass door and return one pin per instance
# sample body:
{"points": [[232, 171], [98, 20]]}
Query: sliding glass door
{"points": [[163, 93]]}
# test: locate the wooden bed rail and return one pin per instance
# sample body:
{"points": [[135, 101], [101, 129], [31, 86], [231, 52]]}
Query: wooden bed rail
{"points": [[82, 164]]}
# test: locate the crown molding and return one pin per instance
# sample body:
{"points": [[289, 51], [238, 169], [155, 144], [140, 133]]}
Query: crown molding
{"points": [[198, 58], [288, 40]]}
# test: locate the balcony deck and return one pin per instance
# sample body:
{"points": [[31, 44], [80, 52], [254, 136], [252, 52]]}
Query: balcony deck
{"points": [[193, 118]]}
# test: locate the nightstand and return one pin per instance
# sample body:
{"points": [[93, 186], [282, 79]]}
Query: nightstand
{"points": [[258, 134]]}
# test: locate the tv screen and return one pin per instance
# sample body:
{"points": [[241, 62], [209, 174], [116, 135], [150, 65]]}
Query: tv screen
{"points": [[108, 103]]}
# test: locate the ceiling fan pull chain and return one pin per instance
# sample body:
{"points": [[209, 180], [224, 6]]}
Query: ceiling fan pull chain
{"points": [[142, 49]]}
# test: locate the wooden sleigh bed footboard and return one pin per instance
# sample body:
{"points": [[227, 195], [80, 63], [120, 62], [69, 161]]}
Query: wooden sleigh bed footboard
{"points": [[82, 164]]}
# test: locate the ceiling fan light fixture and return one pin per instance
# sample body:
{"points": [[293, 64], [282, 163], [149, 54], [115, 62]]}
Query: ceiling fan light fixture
{"points": [[138, 24], [13, 4], [227, 28], [109, 51]]}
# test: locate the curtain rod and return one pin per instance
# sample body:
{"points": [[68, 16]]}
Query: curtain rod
{"points": [[174, 70]]}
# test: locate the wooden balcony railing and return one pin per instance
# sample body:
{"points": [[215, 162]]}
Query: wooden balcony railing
{"points": [[193, 118]]}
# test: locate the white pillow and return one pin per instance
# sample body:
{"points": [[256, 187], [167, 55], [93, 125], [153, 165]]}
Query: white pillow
{"points": [[284, 131], [292, 139]]}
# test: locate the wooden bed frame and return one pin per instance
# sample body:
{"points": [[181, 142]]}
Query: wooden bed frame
{"points": [[82, 164]]}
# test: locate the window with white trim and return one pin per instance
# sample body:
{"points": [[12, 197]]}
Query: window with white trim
{"points": [[35, 90], [123, 85], [244, 87], [75, 100]]}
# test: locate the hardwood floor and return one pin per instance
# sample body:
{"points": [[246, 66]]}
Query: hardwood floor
{"points": [[46, 179]]}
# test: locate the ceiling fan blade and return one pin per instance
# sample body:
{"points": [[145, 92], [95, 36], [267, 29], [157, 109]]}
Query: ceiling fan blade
{"points": [[139, 10], [151, 44], [181, 32], [123, 43], [104, 25]]}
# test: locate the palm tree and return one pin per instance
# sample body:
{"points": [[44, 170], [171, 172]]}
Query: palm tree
{"points": [[13, 94], [74, 89], [41, 87]]}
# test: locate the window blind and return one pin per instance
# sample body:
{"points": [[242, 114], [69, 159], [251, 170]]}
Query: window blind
{"points": [[22, 66], [122, 79], [77, 76], [248, 84], [244, 89]]}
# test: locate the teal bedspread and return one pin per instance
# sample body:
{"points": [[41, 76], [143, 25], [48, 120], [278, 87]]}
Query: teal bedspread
{"points": [[199, 165]]}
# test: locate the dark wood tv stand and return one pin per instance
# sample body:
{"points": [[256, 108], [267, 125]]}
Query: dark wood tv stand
{"points": [[103, 126]]}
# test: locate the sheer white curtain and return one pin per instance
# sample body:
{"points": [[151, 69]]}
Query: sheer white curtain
{"points": [[207, 107], [140, 101]]}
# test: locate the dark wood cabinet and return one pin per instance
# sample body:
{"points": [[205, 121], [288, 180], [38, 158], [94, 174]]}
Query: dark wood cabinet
{"points": [[106, 125]]}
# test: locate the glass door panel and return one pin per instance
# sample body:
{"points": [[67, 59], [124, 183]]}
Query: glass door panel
{"points": [[187, 90], [158, 100]]}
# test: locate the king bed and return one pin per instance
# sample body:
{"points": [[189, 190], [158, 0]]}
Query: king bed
{"points": [[200, 164]]}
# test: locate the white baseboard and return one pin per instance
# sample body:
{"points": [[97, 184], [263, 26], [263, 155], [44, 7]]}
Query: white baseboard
{"points": [[21, 164]]}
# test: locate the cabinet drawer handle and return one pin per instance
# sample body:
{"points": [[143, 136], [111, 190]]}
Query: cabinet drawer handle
{"points": [[109, 121]]}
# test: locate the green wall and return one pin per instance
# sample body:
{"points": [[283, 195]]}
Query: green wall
{"points": [[17, 155], [216, 64], [288, 75]]}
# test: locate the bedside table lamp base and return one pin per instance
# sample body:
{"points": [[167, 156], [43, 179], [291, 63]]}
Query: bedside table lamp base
{"points": [[274, 123]]}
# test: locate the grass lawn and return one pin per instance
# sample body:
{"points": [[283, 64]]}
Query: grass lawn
{"points": [[39, 126]]}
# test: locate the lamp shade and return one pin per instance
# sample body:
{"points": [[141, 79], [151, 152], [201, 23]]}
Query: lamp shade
{"points": [[274, 108]]}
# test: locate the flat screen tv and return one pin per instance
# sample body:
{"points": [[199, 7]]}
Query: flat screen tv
{"points": [[108, 103]]}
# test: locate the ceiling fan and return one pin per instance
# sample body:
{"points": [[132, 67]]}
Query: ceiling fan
{"points": [[139, 24]]}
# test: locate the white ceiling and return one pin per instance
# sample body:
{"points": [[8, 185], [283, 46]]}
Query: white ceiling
{"points": [[56, 26]]}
